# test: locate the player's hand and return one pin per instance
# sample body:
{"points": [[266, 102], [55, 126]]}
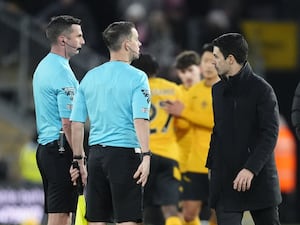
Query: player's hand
{"points": [[75, 174], [143, 170], [175, 108], [83, 172], [243, 180]]}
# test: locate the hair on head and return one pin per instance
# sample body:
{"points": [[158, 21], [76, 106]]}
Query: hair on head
{"points": [[232, 44]]}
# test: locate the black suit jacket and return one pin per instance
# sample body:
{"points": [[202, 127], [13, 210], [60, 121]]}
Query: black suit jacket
{"points": [[244, 136], [295, 116]]}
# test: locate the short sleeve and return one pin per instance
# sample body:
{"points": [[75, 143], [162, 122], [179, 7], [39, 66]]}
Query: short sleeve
{"points": [[79, 111], [141, 99]]}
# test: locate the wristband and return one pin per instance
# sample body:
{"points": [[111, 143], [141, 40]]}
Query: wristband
{"points": [[78, 157], [149, 153]]}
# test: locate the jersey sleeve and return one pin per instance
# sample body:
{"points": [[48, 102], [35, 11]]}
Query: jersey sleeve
{"points": [[66, 90], [79, 111], [141, 99]]}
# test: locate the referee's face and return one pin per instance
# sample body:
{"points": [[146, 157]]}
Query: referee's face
{"points": [[74, 41], [133, 45]]}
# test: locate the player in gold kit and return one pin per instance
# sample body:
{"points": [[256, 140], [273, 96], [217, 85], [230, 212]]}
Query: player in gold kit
{"points": [[197, 110], [162, 188]]}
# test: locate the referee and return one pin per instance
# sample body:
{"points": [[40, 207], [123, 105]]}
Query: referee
{"points": [[54, 86], [115, 96]]}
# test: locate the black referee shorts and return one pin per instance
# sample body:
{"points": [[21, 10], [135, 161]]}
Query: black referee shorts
{"points": [[112, 193], [60, 194]]}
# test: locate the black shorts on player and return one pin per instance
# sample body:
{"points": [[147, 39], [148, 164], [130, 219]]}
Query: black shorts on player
{"points": [[195, 186], [163, 185]]}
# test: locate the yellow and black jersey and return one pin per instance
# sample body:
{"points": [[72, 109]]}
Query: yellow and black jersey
{"points": [[183, 134], [199, 113], [162, 135]]}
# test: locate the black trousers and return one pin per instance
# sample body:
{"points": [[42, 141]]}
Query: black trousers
{"points": [[267, 216]]}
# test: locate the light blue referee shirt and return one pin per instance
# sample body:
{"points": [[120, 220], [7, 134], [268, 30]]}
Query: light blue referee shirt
{"points": [[112, 95], [54, 86]]}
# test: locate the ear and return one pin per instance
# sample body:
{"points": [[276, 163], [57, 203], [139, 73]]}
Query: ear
{"points": [[61, 40], [126, 45], [231, 59]]}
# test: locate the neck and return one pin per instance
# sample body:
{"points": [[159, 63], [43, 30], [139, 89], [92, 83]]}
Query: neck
{"points": [[120, 60], [211, 81], [59, 51], [119, 56], [235, 70]]}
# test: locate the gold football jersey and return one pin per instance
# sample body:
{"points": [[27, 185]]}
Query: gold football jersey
{"points": [[162, 134], [199, 112]]}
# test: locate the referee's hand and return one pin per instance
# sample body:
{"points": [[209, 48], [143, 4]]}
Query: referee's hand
{"points": [[75, 174], [143, 170]]}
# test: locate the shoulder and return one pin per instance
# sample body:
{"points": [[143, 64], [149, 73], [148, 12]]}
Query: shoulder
{"points": [[197, 86], [163, 86], [136, 72], [259, 83], [164, 81], [218, 87]]}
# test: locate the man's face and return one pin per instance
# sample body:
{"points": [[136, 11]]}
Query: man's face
{"points": [[133, 45], [74, 41], [220, 62], [208, 69], [189, 76]]}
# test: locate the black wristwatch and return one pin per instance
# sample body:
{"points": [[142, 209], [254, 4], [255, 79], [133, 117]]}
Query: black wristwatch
{"points": [[78, 157], [149, 153]]}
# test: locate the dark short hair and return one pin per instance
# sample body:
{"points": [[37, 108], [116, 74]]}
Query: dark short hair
{"points": [[59, 25], [207, 47], [186, 59], [147, 63], [115, 33], [233, 44]]}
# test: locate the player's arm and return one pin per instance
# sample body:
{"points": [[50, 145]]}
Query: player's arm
{"points": [[66, 126], [195, 116], [78, 118], [141, 107], [198, 117], [142, 128], [77, 138], [77, 129]]}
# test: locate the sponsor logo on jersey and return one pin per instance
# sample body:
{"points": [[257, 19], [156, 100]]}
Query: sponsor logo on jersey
{"points": [[146, 93], [69, 91]]}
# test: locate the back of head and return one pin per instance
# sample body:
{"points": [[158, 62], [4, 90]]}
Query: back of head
{"points": [[60, 25], [116, 33], [186, 59], [147, 63], [232, 44]]}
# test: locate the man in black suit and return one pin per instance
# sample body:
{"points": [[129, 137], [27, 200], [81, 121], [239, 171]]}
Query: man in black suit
{"points": [[241, 155]]}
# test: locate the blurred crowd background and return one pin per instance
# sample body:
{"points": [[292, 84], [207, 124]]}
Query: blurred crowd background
{"points": [[166, 27]]}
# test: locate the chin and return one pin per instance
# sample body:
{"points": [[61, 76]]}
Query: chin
{"points": [[135, 56]]}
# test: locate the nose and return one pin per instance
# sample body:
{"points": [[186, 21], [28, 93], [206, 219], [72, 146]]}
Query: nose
{"points": [[211, 64], [188, 75]]}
